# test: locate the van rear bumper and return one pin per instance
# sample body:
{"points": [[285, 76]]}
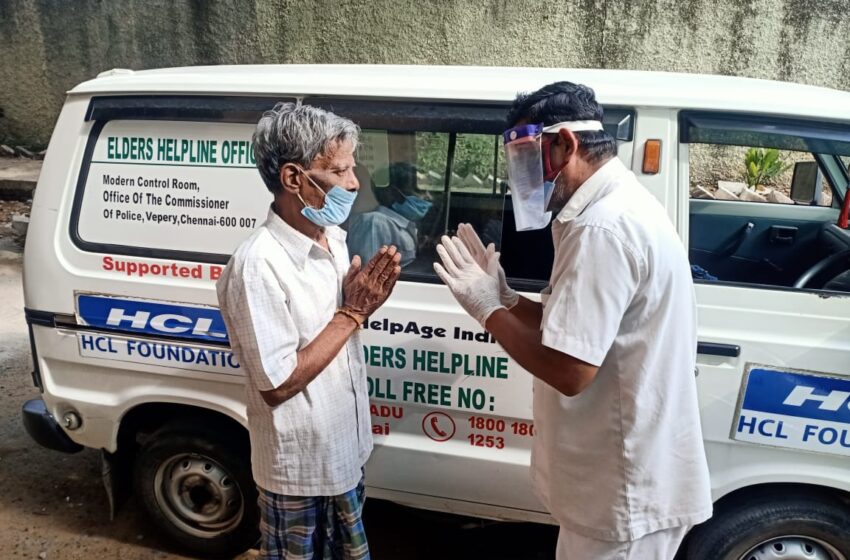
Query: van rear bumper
{"points": [[43, 428]]}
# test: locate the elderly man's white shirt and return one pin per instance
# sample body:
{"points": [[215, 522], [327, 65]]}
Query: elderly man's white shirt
{"points": [[279, 290], [625, 457]]}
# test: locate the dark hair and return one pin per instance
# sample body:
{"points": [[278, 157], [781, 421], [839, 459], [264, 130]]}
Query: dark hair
{"points": [[565, 101]]}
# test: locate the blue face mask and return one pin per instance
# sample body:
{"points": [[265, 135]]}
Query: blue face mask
{"points": [[413, 208], [338, 202]]}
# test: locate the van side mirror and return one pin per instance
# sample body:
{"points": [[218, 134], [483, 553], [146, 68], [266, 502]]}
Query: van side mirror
{"points": [[806, 183]]}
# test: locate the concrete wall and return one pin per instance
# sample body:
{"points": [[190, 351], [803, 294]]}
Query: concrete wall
{"points": [[47, 46]]}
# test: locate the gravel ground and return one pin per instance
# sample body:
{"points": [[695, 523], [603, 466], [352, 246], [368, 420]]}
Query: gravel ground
{"points": [[53, 505]]}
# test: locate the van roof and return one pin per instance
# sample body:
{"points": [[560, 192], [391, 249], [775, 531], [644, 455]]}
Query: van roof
{"points": [[492, 84]]}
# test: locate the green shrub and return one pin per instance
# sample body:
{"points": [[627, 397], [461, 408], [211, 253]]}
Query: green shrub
{"points": [[762, 166]]}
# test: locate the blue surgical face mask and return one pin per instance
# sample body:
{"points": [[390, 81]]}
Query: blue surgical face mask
{"points": [[413, 208], [338, 202]]}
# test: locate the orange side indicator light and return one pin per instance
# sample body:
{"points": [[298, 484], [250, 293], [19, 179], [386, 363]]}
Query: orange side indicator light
{"points": [[652, 157]]}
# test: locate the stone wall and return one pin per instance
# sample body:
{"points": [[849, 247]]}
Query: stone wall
{"points": [[48, 46]]}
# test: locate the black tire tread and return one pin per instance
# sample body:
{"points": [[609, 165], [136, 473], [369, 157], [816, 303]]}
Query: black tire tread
{"points": [[736, 529]]}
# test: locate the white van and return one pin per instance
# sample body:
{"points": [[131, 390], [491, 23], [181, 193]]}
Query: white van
{"points": [[149, 184]]}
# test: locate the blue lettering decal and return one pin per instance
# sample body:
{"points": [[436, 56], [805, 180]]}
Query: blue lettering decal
{"points": [[809, 431], [202, 358], [762, 430], [743, 422], [828, 436], [87, 342], [797, 394], [161, 319]]}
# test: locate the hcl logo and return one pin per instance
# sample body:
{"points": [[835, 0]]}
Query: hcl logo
{"points": [[166, 323], [832, 401], [179, 321]]}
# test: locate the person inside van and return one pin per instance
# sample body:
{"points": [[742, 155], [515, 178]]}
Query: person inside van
{"points": [[293, 303], [618, 458], [396, 220]]}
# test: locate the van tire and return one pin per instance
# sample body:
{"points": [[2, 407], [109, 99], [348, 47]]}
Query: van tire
{"points": [[815, 524], [189, 481]]}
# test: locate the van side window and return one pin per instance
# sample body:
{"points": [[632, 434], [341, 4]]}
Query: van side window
{"points": [[764, 197], [177, 180], [416, 186], [752, 174]]}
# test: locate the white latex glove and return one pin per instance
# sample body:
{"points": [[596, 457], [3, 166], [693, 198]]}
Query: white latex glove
{"points": [[473, 243], [475, 289]]}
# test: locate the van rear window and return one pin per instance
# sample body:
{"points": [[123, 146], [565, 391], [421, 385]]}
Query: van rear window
{"points": [[169, 186]]}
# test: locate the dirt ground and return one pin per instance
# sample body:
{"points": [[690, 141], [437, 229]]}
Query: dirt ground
{"points": [[10, 207], [53, 505]]}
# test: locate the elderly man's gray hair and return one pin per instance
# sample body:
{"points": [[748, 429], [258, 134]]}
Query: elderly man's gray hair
{"points": [[292, 133]]}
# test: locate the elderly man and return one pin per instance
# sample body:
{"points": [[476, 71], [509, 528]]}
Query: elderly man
{"points": [[618, 458], [292, 302]]}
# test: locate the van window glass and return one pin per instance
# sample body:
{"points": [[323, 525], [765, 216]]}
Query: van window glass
{"points": [[187, 188], [416, 186], [406, 199], [765, 132], [763, 206], [750, 174]]}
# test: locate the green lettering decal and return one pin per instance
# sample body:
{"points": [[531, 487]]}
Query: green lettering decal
{"points": [[472, 398]]}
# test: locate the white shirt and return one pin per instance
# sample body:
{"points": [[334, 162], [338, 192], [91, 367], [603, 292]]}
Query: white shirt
{"points": [[625, 457], [279, 290], [367, 232]]}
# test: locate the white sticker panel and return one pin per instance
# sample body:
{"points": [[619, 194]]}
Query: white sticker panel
{"points": [[794, 409], [158, 353], [184, 186]]}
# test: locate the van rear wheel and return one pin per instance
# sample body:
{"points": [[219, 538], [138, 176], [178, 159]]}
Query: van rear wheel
{"points": [[796, 527], [197, 487]]}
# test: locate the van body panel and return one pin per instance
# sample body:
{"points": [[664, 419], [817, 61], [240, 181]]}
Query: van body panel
{"points": [[103, 391], [451, 413]]}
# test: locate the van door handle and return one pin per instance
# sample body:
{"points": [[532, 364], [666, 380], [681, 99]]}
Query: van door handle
{"points": [[717, 349], [783, 235]]}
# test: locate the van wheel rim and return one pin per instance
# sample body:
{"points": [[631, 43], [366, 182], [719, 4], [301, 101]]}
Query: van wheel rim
{"points": [[793, 547], [198, 495]]}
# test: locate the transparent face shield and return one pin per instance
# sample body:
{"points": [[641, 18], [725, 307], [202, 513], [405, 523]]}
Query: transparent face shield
{"points": [[524, 162], [530, 173]]}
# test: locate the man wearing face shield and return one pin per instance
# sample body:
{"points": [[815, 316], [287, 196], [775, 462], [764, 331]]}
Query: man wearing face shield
{"points": [[618, 457], [293, 303], [396, 221]]}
